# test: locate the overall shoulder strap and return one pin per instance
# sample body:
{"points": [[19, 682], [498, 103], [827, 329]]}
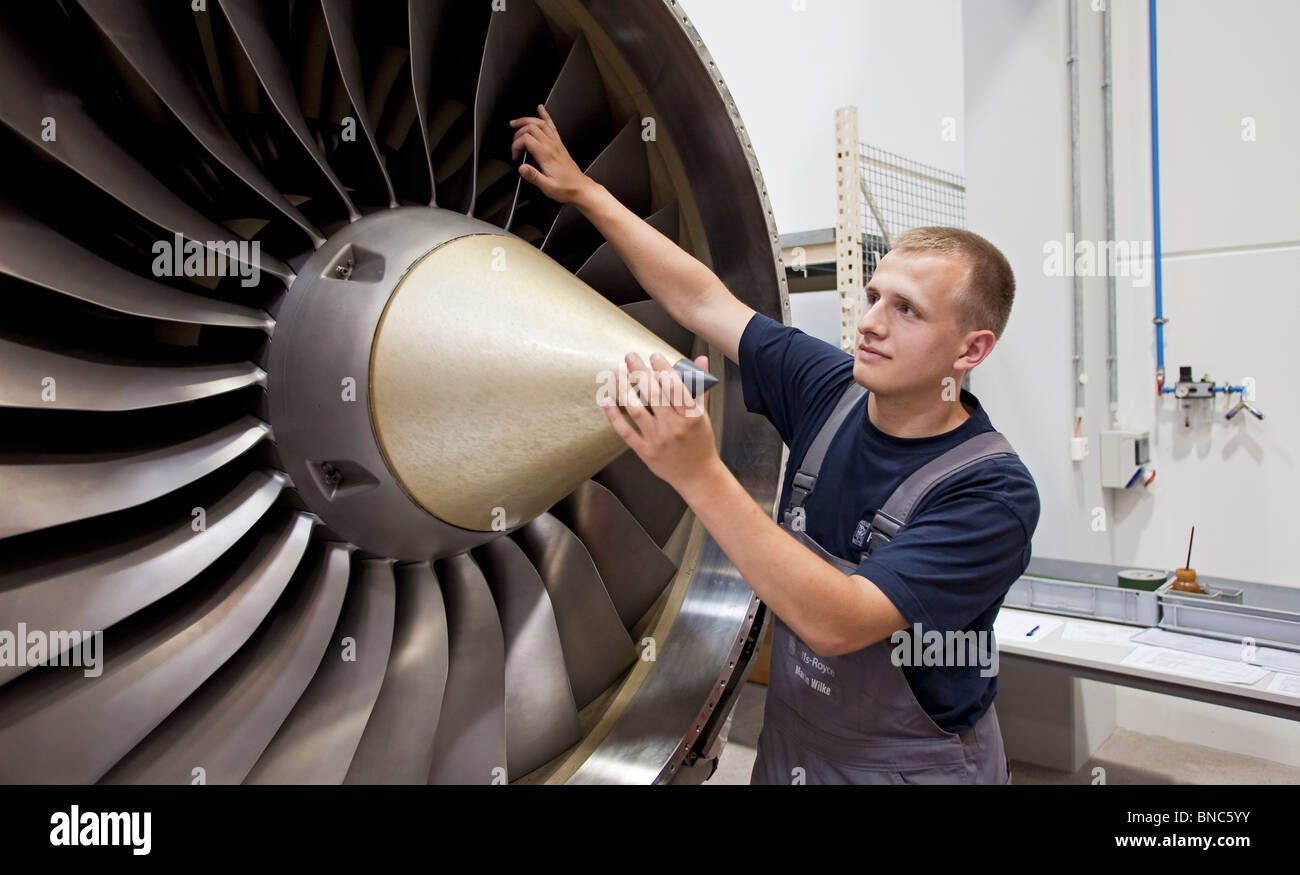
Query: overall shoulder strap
{"points": [[805, 479], [904, 500]]}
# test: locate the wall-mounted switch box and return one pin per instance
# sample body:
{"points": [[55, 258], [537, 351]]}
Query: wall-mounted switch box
{"points": [[1123, 454]]}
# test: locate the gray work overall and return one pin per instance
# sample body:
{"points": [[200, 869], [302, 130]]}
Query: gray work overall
{"points": [[853, 719]]}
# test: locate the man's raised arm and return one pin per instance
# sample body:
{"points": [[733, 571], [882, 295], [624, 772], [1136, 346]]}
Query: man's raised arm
{"points": [[689, 292]]}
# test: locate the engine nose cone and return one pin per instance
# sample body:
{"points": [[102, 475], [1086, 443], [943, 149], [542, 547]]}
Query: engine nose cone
{"points": [[433, 382], [484, 377]]}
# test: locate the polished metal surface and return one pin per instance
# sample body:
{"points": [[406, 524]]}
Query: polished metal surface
{"points": [[423, 22], [596, 644], [93, 384], [28, 93], [317, 741], [82, 726], [718, 626], [144, 45], [35, 253], [340, 18], [541, 716], [109, 582], [634, 569], [516, 45], [709, 631], [223, 728], [654, 503], [720, 619], [397, 746], [68, 486], [627, 178], [247, 20], [581, 116], [270, 494], [653, 317], [604, 270], [470, 747]]}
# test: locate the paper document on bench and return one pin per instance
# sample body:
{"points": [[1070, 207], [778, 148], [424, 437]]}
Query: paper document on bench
{"points": [[1014, 627], [1270, 658], [1192, 665]]}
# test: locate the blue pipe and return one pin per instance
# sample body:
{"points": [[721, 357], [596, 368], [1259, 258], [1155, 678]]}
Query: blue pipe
{"points": [[1155, 212], [1169, 390], [1155, 195]]}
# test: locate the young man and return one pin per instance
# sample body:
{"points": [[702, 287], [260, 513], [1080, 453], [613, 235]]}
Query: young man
{"points": [[859, 692]]}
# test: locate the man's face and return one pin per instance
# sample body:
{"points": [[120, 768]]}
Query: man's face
{"points": [[909, 319]]}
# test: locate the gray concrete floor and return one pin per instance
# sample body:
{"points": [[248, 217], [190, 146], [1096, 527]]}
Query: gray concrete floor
{"points": [[1128, 758]]}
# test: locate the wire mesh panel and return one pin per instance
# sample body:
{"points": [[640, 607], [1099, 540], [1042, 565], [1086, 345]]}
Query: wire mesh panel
{"points": [[899, 193], [893, 194]]}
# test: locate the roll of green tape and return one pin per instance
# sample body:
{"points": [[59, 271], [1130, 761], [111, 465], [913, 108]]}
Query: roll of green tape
{"points": [[1141, 578]]}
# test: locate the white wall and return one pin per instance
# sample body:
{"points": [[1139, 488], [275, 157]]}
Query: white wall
{"points": [[898, 62], [1231, 238], [1018, 195], [1230, 214]]}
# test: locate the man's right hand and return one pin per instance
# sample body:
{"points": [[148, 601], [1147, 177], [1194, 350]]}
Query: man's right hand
{"points": [[556, 174]]}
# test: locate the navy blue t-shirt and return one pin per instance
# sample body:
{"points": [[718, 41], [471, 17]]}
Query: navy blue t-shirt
{"points": [[965, 544]]}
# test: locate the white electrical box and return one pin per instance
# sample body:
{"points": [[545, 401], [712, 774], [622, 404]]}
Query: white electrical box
{"points": [[1124, 456]]}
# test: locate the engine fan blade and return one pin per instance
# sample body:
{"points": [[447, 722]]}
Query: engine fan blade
{"points": [[66, 728], [424, 36], [471, 740], [516, 37], [227, 723], [32, 252], [397, 746], [87, 384], [136, 35], [541, 716], [654, 317], [632, 567], [104, 584], [621, 167], [77, 486], [318, 739], [27, 94], [247, 21], [577, 106], [597, 648], [339, 17], [654, 503]]}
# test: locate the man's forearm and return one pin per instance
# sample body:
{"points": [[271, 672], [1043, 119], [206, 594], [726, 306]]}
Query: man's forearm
{"points": [[830, 611], [672, 276]]}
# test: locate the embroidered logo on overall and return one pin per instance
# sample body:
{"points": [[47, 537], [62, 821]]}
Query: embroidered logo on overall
{"points": [[816, 675], [861, 534]]}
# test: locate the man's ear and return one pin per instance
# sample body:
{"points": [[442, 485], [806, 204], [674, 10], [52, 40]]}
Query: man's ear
{"points": [[978, 345]]}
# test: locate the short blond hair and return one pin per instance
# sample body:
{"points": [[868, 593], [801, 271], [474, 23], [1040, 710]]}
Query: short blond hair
{"points": [[983, 300]]}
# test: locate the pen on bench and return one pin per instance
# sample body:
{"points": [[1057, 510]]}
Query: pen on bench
{"points": [[1031, 631]]}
